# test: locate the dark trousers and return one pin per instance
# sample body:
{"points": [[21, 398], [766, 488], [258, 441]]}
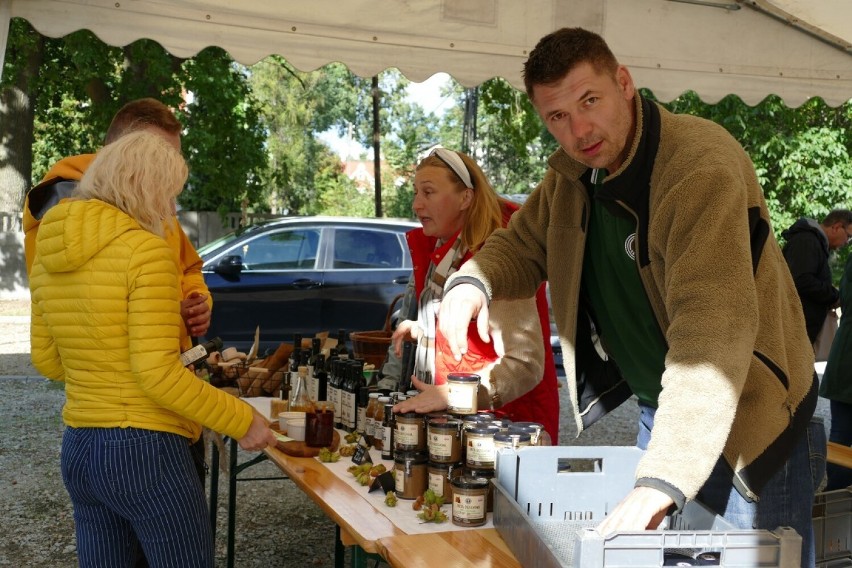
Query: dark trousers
{"points": [[841, 433], [135, 490]]}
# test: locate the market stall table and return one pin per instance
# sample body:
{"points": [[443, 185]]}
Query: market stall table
{"points": [[363, 525]]}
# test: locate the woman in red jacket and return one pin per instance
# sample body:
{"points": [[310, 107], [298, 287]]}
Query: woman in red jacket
{"points": [[459, 209]]}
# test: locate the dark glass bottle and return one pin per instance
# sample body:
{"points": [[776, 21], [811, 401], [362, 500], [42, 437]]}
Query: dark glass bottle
{"points": [[200, 352], [321, 378], [387, 429], [341, 343]]}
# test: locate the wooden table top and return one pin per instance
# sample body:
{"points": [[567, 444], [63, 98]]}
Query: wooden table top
{"points": [[483, 548], [340, 502], [365, 526]]}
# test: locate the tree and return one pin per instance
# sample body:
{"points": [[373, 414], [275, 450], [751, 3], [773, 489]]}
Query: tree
{"points": [[17, 110], [224, 140], [81, 82]]}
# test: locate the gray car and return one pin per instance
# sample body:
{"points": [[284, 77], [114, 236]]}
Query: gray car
{"points": [[305, 275]]}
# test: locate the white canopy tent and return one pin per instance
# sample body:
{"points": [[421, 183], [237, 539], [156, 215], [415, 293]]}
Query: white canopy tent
{"points": [[796, 49]]}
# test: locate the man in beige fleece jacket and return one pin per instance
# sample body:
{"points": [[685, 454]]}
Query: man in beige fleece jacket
{"points": [[667, 284]]}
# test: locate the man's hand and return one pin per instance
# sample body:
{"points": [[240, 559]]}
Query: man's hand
{"points": [[431, 398], [458, 307], [644, 508], [196, 314], [258, 436]]}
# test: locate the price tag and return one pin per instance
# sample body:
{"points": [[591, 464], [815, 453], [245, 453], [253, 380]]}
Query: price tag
{"points": [[385, 481], [361, 455]]}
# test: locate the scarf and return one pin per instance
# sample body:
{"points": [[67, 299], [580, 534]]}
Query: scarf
{"points": [[428, 306]]}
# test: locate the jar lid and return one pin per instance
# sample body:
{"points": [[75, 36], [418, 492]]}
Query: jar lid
{"points": [[444, 423], [508, 436], [463, 378], [375, 394], [416, 457], [409, 415], [467, 482], [479, 417], [536, 425], [384, 399], [480, 473], [485, 429]]}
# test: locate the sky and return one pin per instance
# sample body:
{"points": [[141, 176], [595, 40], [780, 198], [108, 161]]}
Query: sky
{"points": [[427, 94]]}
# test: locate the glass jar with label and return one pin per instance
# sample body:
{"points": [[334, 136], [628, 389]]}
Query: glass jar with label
{"points": [[479, 446], [470, 501], [444, 440], [440, 477], [411, 478], [487, 475], [409, 432], [462, 393], [534, 429], [513, 440]]}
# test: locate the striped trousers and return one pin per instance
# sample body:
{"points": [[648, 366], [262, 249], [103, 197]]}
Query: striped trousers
{"points": [[135, 490]]}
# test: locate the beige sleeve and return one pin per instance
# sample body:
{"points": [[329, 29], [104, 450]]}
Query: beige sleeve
{"points": [[516, 332]]}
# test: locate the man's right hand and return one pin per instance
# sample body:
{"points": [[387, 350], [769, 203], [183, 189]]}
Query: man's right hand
{"points": [[458, 307]]}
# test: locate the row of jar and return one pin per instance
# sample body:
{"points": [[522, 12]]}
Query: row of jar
{"points": [[473, 439], [414, 474]]}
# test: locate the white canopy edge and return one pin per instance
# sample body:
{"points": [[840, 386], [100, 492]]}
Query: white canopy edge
{"points": [[669, 46]]}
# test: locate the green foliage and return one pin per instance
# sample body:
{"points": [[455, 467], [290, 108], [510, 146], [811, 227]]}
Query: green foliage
{"points": [[223, 140], [802, 156], [515, 142]]}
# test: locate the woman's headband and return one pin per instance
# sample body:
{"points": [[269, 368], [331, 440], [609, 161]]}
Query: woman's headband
{"points": [[456, 164]]}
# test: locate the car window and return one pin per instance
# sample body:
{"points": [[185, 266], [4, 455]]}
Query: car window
{"points": [[281, 250], [364, 248]]}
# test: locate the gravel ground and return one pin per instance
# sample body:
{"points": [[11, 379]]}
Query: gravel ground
{"points": [[276, 523]]}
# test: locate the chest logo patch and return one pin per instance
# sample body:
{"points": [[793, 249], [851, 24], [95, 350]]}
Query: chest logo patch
{"points": [[630, 246]]}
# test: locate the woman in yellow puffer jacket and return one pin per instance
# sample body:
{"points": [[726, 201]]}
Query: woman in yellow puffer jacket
{"points": [[106, 321]]}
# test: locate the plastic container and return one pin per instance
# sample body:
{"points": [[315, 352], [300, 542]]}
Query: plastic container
{"points": [[832, 520], [547, 500], [284, 417], [296, 429]]}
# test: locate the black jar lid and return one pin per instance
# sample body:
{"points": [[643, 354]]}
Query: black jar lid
{"points": [[463, 377], [467, 482], [483, 429], [508, 436], [445, 423], [415, 457]]}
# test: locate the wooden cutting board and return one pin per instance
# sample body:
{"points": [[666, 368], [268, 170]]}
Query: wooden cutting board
{"points": [[302, 450]]}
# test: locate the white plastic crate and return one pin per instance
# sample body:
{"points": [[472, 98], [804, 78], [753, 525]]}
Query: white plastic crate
{"points": [[548, 499], [832, 517]]}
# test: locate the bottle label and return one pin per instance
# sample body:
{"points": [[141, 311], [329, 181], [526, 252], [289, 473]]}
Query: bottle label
{"points": [[192, 355], [399, 479], [468, 507], [361, 426]]}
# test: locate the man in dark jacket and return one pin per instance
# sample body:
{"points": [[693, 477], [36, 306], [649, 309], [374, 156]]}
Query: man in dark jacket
{"points": [[808, 246]]}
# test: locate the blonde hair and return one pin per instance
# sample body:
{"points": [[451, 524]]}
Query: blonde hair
{"points": [[484, 215], [140, 174]]}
